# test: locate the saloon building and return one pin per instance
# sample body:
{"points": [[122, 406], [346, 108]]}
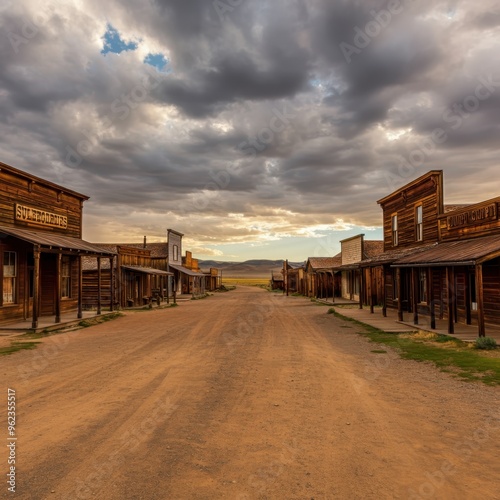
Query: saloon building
{"points": [[41, 248]]}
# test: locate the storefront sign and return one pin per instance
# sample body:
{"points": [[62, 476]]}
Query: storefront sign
{"points": [[473, 217], [41, 217]]}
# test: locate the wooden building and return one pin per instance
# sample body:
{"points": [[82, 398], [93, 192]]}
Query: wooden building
{"points": [[135, 280], [41, 248], [440, 261], [356, 284], [322, 277]]}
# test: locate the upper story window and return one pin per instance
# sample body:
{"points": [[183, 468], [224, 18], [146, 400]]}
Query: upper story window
{"points": [[9, 277], [419, 223], [176, 253], [394, 224]]}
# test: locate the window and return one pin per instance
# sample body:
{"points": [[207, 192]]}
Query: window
{"points": [[176, 253], [422, 285], [9, 277], [419, 223], [66, 278], [472, 289], [395, 230]]}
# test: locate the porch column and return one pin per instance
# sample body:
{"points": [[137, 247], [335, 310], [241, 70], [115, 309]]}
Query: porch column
{"points": [[400, 294], [468, 305], [333, 286], [58, 287], [370, 275], [111, 283], [99, 283], [432, 302], [450, 298], [384, 302], [361, 285], [415, 288], [36, 285], [480, 300], [80, 288]]}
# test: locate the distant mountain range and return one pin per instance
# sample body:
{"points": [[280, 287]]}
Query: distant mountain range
{"points": [[250, 268]]}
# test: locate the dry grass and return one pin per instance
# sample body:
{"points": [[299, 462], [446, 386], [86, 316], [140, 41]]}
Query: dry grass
{"points": [[246, 281]]}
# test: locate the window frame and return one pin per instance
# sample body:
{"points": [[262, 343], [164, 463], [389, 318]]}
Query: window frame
{"points": [[422, 286], [66, 281], [6, 277], [419, 225], [395, 230]]}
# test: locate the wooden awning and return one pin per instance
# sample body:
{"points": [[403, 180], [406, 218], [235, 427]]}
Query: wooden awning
{"points": [[147, 270], [50, 241], [455, 253]]}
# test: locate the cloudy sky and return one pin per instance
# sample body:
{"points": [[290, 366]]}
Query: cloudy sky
{"points": [[259, 128]]}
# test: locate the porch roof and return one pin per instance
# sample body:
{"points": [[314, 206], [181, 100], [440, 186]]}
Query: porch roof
{"points": [[187, 271], [462, 252], [147, 270], [55, 241]]}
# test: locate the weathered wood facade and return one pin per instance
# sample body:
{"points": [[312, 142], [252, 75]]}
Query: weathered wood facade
{"points": [[440, 262], [40, 248]]}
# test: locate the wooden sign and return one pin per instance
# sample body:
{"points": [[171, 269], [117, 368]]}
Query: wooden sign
{"points": [[40, 217], [473, 217]]}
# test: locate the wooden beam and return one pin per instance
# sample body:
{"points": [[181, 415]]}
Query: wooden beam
{"points": [[432, 302], [480, 301], [450, 298], [384, 300], [361, 285], [58, 286], [400, 294], [370, 277], [468, 305], [111, 283], [99, 283], [80, 288], [36, 285], [415, 291]]}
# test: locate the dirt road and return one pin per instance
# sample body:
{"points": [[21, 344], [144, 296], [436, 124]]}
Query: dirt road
{"points": [[244, 395]]}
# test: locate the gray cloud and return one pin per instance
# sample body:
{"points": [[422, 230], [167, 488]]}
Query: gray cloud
{"points": [[260, 113]]}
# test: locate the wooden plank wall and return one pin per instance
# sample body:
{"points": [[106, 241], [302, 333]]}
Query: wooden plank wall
{"points": [[17, 189]]}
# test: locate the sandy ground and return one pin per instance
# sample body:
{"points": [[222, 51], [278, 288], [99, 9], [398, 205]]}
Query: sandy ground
{"points": [[244, 395]]}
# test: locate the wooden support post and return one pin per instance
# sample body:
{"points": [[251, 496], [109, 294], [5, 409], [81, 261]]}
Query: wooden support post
{"points": [[400, 294], [333, 286], [384, 301], [432, 301], [112, 283], [99, 283], [80, 288], [370, 276], [450, 298], [467, 297], [415, 290], [361, 285], [58, 286], [287, 286], [36, 286], [480, 301]]}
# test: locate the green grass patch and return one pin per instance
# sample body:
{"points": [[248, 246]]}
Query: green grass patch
{"points": [[16, 346], [446, 353], [379, 351]]}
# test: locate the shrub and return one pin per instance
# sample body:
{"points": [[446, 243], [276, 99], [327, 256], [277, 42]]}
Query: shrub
{"points": [[485, 343]]}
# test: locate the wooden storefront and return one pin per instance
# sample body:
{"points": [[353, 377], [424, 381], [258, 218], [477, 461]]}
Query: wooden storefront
{"points": [[40, 248], [440, 262]]}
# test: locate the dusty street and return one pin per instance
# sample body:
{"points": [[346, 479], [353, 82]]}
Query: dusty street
{"points": [[244, 395]]}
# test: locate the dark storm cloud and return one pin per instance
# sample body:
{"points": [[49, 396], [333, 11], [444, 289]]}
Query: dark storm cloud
{"points": [[262, 112]]}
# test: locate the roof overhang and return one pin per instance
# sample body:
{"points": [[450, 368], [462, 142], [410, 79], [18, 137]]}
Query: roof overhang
{"points": [[147, 270], [53, 242]]}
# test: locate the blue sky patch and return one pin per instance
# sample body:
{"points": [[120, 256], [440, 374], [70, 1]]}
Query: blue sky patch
{"points": [[158, 61], [114, 43]]}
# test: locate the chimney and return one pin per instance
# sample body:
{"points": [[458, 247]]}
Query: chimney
{"points": [[145, 241]]}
